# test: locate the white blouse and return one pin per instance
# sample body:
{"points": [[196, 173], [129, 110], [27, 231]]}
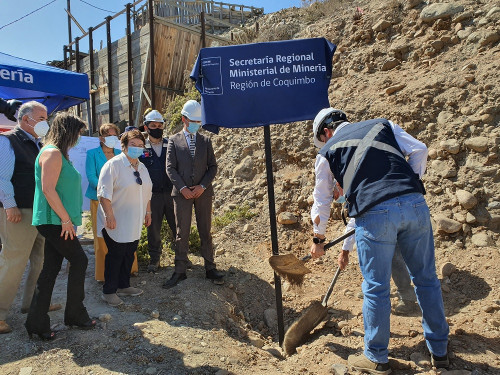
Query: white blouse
{"points": [[128, 199]]}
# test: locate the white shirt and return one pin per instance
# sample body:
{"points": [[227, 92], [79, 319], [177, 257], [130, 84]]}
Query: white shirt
{"points": [[415, 151], [128, 199], [188, 135]]}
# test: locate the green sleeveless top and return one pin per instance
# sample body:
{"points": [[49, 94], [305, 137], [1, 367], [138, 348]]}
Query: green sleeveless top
{"points": [[69, 188]]}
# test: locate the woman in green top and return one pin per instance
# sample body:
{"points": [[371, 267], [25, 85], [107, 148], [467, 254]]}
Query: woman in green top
{"points": [[57, 207]]}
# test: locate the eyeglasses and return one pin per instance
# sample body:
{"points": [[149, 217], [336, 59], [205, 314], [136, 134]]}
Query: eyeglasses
{"points": [[138, 177]]}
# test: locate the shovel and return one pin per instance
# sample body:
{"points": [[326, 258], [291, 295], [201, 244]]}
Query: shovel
{"points": [[293, 269], [312, 316]]}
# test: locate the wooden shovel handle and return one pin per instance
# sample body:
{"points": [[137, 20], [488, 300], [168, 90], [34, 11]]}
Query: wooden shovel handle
{"points": [[333, 242]]}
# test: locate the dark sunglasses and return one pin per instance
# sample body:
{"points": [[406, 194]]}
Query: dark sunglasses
{"points": [[138, 179]]}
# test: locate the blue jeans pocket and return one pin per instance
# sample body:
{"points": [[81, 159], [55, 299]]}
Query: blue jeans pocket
{"points": [[374, 223], [422, 212]]}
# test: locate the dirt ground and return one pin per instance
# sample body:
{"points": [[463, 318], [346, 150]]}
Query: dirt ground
{"points": [[202, 328], [437, 79]]}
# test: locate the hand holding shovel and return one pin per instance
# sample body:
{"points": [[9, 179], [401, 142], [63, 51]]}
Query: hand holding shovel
{"points": [[293, 269]]}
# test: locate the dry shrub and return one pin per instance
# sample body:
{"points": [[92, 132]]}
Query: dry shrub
{"points": [[281, 31]]}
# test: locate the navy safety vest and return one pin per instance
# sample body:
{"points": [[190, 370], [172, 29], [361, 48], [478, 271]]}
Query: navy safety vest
{"points": [[367, 162], [23, 178], [156, 166]]}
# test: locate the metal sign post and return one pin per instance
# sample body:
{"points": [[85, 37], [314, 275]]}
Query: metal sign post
{"points": [[274, 230]]}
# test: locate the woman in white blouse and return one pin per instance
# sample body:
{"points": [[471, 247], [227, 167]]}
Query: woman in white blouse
{"points": [[124, 193]]}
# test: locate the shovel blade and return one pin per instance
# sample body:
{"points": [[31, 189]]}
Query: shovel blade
{"points": [[289, 267], [301, 328]]}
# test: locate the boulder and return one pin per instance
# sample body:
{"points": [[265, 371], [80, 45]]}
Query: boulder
{"points": [[443, 168], [390, 64], [447, 269], [410, 4], [245, 169], [450, 145], [479, 144], [483, 37], [381, 25], [482, 239], [444, 117], [440, 10], [466, 199], [287, 218], [470, 219], [392, 89], [447, 225]]}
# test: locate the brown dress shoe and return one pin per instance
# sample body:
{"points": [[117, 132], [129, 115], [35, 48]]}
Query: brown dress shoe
{"points": [[4, 327]]}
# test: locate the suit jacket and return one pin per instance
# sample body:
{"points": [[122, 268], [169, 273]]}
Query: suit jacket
{"points": [[93, 165], [183, 170]]}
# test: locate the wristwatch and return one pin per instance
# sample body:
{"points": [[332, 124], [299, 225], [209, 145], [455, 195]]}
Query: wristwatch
{"points": [[318, 240]]}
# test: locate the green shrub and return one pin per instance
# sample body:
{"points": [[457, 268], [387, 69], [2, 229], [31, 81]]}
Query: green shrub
{"points": [[168, 242], [173, 111], [235, 214]]}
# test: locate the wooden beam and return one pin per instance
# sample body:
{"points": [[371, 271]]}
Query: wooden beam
{"points": [[190, 29]]}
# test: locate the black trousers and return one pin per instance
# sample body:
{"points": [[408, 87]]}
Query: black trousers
{"points": [[117, 264], [56, 249], [162, 205]]}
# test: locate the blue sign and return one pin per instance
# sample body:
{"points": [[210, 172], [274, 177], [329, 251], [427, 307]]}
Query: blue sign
{"points": [[263, 83]]}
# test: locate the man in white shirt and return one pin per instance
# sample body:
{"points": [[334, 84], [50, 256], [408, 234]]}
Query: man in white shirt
{"points": [[384, 194]]}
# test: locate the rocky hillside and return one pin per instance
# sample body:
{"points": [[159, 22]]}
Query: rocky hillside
{"points": [[431, 68]]}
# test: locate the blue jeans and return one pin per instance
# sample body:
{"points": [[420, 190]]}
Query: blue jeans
{"points": [[403, 221]]}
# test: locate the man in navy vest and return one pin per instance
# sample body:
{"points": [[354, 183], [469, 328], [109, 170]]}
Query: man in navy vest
{"points": [[21, 241], [378, 165], [162, 204]]}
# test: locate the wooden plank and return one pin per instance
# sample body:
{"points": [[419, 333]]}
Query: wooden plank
{"points": [[168, 62], [191, 29]]}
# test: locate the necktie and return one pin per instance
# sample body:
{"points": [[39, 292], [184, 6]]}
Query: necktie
{"points": [[191, 145]]}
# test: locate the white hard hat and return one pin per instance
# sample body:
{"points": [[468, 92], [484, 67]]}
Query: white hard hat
{"points": [[154, 116], [333, 115], [192, 110]]}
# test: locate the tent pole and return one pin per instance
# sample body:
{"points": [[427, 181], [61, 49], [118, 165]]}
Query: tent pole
{"points": [[274, 230], [89, 119]]}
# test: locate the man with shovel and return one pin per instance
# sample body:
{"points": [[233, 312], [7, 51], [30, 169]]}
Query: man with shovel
{"points": [[384, 194]]}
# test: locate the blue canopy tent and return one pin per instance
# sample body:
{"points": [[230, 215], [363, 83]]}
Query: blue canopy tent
{"points": [[26, 80]]}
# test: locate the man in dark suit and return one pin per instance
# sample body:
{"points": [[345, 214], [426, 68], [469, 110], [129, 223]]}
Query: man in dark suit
{"points": [[191, 166], [162, 205]]}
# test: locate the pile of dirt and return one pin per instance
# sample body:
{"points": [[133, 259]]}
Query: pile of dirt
{"points": [[431, 67]]}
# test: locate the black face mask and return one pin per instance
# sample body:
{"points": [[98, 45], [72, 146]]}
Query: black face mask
{"points": [[156, 133]]}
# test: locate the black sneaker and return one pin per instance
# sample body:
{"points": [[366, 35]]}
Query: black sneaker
{"points": [[153, 266], [215, 276], [174, 280], [440, 362]]}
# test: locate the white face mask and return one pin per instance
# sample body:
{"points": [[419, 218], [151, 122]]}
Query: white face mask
{"points": [[41, 128], [112, 141]]}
